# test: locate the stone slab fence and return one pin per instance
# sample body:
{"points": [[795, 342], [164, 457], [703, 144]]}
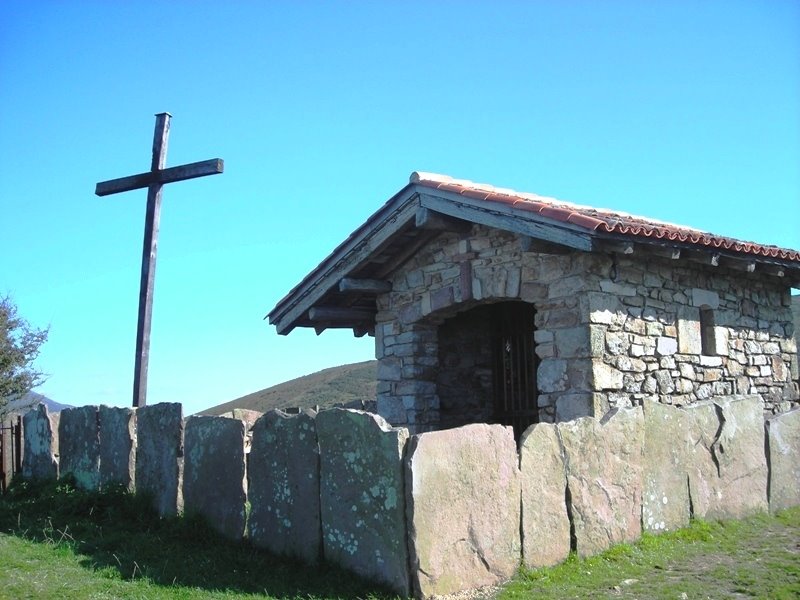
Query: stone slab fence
{"points": [[438, 512]]}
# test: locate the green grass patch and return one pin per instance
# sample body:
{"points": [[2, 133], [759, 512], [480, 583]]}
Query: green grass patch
{"points": [[752, 558], [58, 542]]}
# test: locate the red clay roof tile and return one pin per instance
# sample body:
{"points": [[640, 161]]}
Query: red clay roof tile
{"points": [[600, 220]]}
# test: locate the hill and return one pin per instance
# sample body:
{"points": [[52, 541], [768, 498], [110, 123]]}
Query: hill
{"points": [[346, 385], [29, 401]]}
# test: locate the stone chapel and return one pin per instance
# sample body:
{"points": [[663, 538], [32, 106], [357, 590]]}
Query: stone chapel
{"points": [[491, 305]]}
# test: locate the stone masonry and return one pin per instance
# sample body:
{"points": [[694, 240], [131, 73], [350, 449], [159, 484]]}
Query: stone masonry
{"points": [[612, 330]]}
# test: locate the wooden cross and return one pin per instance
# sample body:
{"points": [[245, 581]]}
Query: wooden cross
{"points": [[153, 180]]}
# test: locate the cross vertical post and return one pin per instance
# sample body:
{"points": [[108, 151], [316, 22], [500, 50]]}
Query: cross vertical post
{"points": [[154, 181], [149, 251]]}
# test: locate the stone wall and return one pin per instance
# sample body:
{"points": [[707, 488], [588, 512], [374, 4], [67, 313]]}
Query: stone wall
{"points": [[645, 323], [443, 511], [456, 273], [611, 331]]}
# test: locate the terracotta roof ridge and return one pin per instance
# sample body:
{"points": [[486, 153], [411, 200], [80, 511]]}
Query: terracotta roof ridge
{"points": [[426, 177], [597, 219]]}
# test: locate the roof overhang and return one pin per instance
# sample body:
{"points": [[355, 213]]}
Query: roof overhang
{"points": [[341, 291]]}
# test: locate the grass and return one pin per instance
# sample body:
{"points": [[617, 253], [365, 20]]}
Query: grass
{"points": [[757, 557], [57, 542]]}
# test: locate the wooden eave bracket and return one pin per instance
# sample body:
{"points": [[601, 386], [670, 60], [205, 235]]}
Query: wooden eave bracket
{"points": [[714, 258]]}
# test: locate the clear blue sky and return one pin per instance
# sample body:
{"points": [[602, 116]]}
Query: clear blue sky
{"points": [[682, 111]]}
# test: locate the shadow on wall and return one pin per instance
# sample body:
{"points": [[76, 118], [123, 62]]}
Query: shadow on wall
{"points": [[438, 512]]}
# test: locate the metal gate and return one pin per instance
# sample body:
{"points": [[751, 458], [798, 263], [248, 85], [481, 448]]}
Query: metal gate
{"points": [[514, 369], [10, 450]]}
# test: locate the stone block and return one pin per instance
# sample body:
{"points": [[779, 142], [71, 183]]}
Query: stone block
{"points": [[442, 298], [705, 298], [40, 454], [689, 339], [214, 473], [603, 308], [605, 376], [533, 291], [389, 369], [721, 337], [617, 343], [117, 446], [79, 446], [551, 375], [545, 521], [617, 289], [573, 406], [361, 495], [666, 385], [783, 456], [710, 361], [666, 346], [283, 485], [665, 493], [159, 456], [463, 508], [392, 409], [573, 342], [604, 478], [727, 466], [567, 287]]}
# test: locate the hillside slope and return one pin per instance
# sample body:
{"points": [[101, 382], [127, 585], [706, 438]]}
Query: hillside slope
{"points": [[29, 401], [343, 385]]}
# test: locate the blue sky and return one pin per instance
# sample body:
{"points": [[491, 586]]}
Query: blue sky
{"points": [[683, 111]]}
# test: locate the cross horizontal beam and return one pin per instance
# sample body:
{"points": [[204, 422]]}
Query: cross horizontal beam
{"points": [[143, 180]]}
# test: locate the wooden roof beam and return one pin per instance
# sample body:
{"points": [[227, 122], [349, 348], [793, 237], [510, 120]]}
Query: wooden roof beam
{"points": [[364, 286], [409, 250], [774, 270], [704, 258], [748, 265], [507, 218], [669, 252]]}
